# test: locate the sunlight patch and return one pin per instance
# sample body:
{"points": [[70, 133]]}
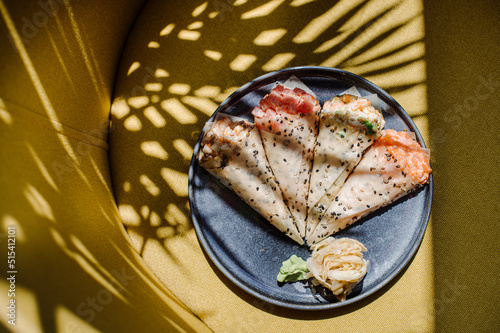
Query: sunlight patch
{"points": [[9, 221], [412, 73], [297, 3], [269, 37], [161, 73], [207, 91], [68, 321], [222, 96], [155, 117], [195, 25], [325, 46], [321, 23], [42, 168], [153, 44], [129, 215], [214, 55], [149, 185], [408, 54], [155, 99], [178, 111], [138, 101], [204, 105], [183, 148], [413, 100], [198, 10], [4, 114], [38, 202], [154, 219], [278, 61], [422, 123], [179, 88], [133, 123], [120, 108], [175, 216], [263, 10], [165, 232], [127, 187], [242, 62], [167, 30], [410, 32], [27, 317], [153, 86], [189, 35], [178, 181], [145, 212], [154, 149]]}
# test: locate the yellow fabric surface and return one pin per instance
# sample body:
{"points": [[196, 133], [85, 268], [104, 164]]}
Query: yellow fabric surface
{"points": [[74, 270], [181, 62], [69, 185]]}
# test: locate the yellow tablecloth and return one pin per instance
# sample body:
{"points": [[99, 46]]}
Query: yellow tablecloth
{"points": [[104, 239]]}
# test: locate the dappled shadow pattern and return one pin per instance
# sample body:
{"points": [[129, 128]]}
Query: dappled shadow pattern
{"points": [[181, 62]]}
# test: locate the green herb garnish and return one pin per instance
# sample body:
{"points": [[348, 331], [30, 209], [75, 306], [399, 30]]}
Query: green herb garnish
{"points": [[370, 128]]}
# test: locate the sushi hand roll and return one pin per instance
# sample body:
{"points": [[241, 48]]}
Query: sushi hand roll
{"points": [[348, 126], [392, 167], [232, 152], [287, 120]]}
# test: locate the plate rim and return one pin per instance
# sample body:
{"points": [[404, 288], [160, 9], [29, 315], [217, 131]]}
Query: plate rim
{"points": [[418, 236]]}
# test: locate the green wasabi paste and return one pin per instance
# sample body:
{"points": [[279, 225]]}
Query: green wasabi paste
{"points": [[293, 270]]}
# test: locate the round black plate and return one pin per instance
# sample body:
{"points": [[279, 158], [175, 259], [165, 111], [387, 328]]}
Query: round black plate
{"points": [[249, 251]]}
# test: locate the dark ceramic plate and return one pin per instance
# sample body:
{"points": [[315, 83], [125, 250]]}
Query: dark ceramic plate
{"points": [[249, 251]]}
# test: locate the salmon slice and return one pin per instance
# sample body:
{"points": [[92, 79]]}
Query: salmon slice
{"points": [[348, 126], [232, 152], [287, 120], [392, 167]]}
